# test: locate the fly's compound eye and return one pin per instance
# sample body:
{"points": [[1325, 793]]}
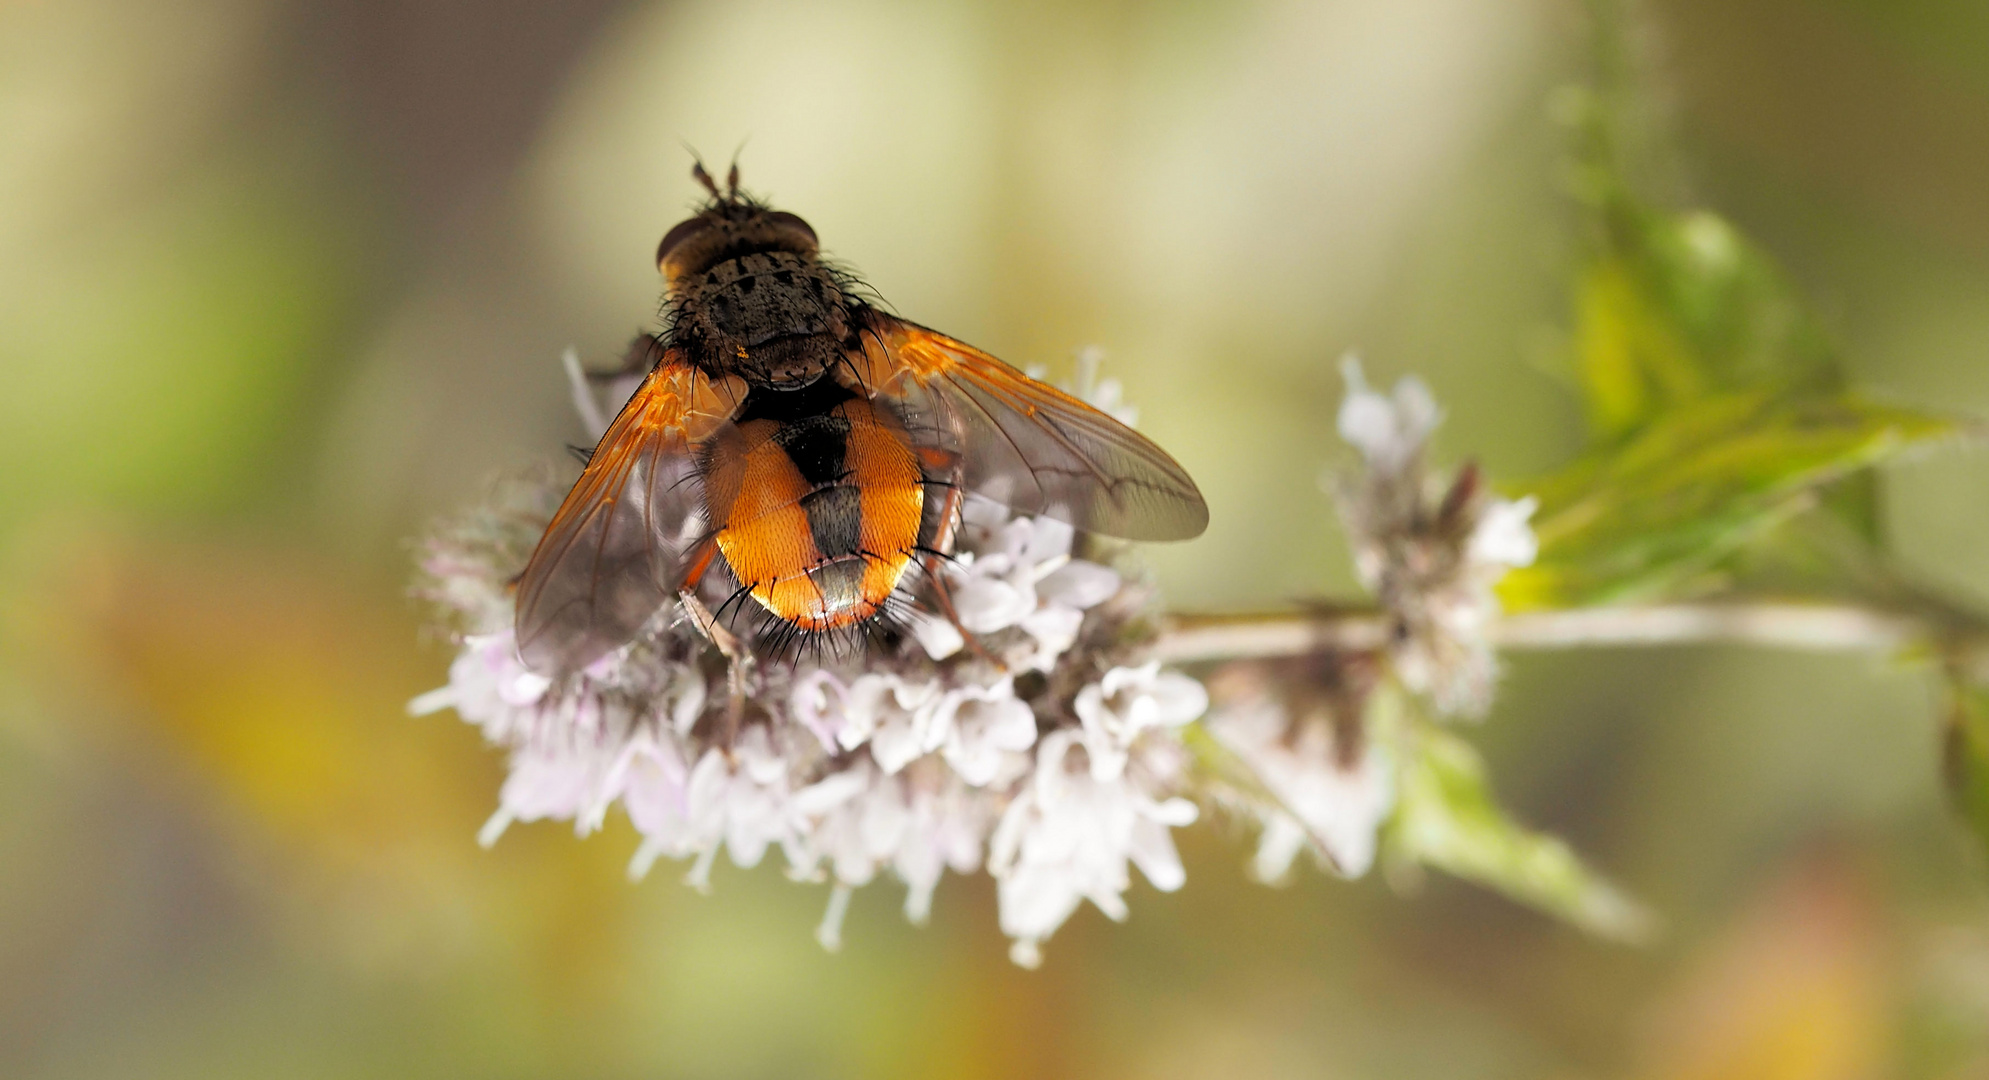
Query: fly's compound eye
{"points": [[683, 231], [791, 221]]}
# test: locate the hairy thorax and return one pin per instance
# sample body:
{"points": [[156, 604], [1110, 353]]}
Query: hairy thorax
{"points": [[773, 318]]}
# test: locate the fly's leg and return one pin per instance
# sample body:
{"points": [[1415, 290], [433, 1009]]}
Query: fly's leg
{"points": [[945, 463], [945, 599], [738, 660]]}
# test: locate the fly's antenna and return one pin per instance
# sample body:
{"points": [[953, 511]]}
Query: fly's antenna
{"points": [[732, 175], [701, 176]]}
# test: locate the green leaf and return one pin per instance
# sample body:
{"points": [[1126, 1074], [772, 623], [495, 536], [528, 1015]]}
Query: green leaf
{"points": [[1857, 503], [1676, 307], [1638, 520], [1966, 754], [1717, 412], [1446, 818]]}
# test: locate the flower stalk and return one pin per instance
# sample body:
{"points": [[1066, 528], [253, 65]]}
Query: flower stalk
{"points": [[1799, 625]]}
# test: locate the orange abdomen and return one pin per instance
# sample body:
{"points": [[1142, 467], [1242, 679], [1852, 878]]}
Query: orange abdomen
{"points": [[819, 515]]}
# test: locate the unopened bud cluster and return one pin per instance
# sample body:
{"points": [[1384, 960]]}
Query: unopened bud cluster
{"points": [[1429, 548]]}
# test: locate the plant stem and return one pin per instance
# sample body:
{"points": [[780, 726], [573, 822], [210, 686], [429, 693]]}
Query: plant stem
{"points": [[1774, 624]]}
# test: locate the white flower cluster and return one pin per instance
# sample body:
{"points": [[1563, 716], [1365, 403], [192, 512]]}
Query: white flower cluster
{"points": [[1044, 755], [1430, 550]]}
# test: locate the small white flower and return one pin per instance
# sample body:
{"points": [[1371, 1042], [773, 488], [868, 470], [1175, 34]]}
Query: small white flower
{"points": [[1068, 837], [1504, 536], [1051, 631], [995, 585], [980, 729], [948, 829], [891, 714], [544, 784], [654, 786], [1388, 431], [899, 715], [1063, 596], [818, 700], [935, 634], [1077, 585], [991, 596], [856, 819], [919, 824], [739, 801], [1126, 703], [1024, 578], [1332, 808], [488, 686]]}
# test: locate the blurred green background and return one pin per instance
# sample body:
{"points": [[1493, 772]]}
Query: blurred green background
{"points": [[281, 281]]}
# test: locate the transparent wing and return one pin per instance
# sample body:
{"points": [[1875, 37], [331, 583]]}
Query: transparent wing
{"points": [[616, 549], [1023, 443]]}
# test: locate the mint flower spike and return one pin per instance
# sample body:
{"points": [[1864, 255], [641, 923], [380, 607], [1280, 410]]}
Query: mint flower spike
{"points": [[1052, 758]]}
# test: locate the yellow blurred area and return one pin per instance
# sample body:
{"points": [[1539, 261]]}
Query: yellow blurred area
{"points": [[283, 281], [1795, 988]]}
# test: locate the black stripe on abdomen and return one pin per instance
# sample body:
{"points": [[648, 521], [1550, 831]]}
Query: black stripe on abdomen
{"points": [[835, 519]]}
